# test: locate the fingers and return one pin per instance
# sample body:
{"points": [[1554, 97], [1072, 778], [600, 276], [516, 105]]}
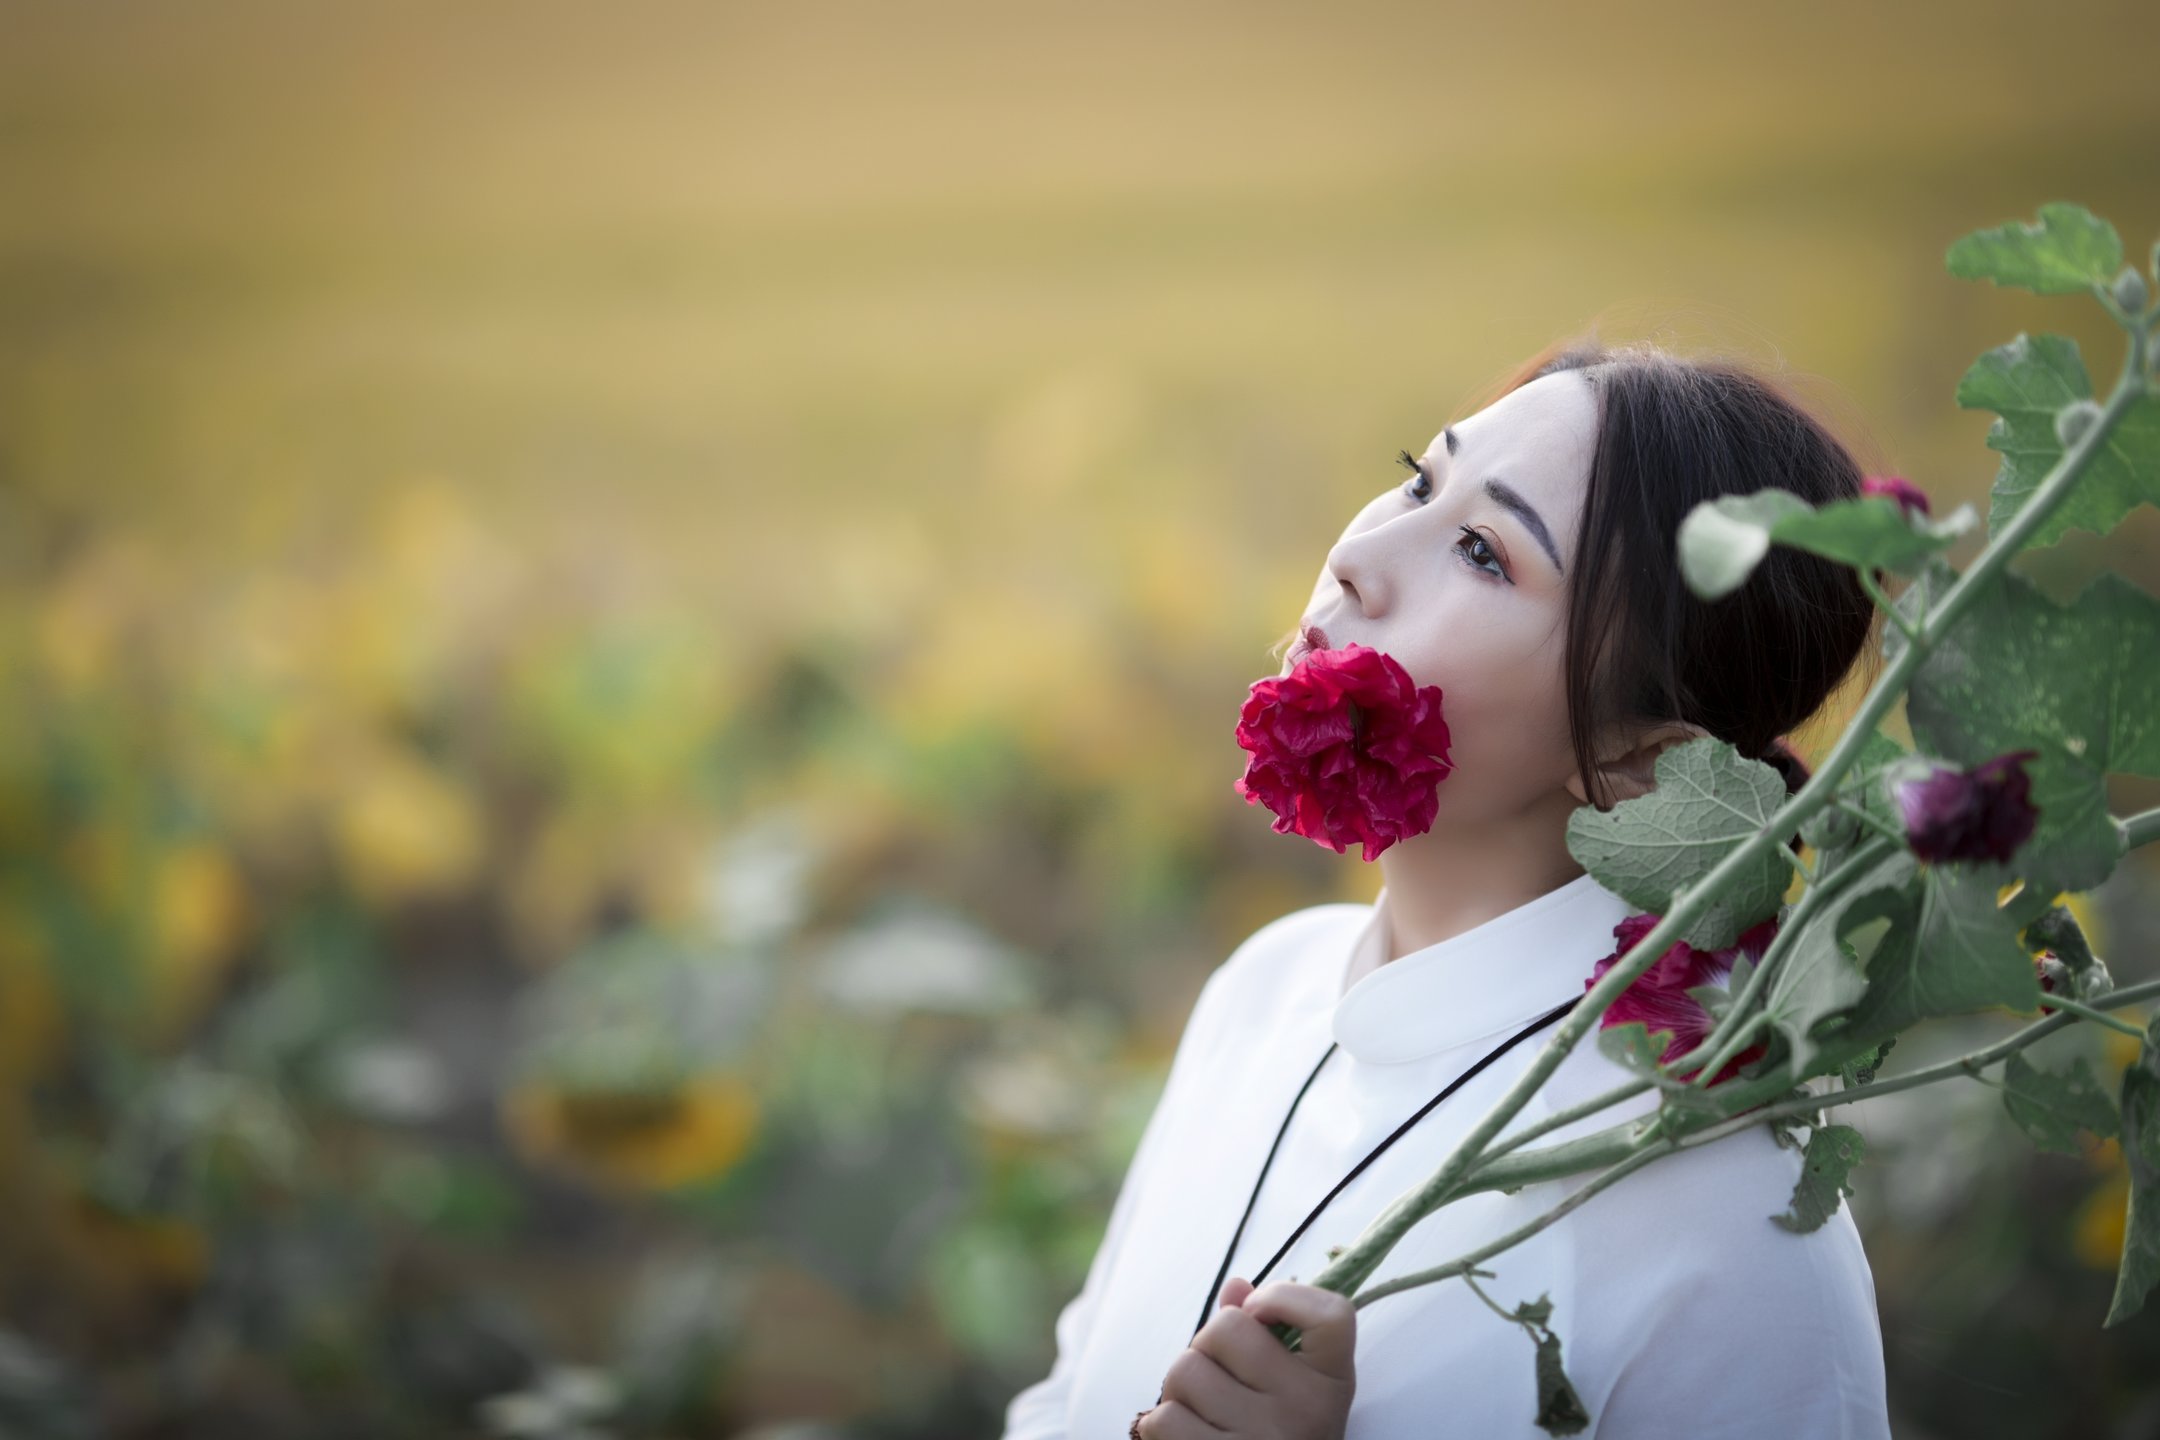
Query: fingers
{"points": [[1235, 1291], [1202, 1386], [1172, 1421], [1327, 1323], [1238, 1342]]}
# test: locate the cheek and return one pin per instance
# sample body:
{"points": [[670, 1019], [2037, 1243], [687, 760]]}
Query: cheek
{"points": [[1505, 703]]}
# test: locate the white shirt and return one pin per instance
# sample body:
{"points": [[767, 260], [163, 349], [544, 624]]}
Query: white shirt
{"points": [[1681, 1308]]}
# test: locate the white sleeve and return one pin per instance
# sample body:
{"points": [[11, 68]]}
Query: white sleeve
{"points": [[1038, 1412], [1777, 1335]]}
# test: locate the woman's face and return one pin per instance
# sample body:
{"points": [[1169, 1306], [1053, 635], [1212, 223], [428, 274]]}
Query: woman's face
{"points": [[1459, 574]]}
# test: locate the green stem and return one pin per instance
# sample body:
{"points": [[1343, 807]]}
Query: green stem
{"points": [[1798, 861], [1883, 602], [1579, 1111], [1490, 1303], [2057, 1002], [1520, 1233], [1740, 1039], [1870, 819], [2140, 829], [1363, 1257], [1965, 1065], [1621, 1148], [1722, 1037], [1836, 880]]}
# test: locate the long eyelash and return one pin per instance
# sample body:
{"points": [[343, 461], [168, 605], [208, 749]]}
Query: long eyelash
{"points": [[1474, 535], [1409, 462]]}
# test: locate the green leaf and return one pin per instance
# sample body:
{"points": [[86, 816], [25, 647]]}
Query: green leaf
{"points": [[2076, 683], [1707, 800], [1714, 998], [2069, 250], [1633, 1046], [1832, 1152], [1872, 533], [2058, 930], [1560, 1411], [2052, 1107], [1820, 975], [1861, 1070], [2025, 383], [2140, 1267], [1721, 541], [1957, 954]]}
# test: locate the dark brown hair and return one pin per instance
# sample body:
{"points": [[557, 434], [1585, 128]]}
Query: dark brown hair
{"points": [[1753, 665]]}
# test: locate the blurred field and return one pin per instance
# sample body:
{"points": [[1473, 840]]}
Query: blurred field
{"points": [[623, 624]]}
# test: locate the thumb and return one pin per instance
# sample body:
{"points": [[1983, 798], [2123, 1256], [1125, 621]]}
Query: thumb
{"points": [[1234, 1292], [1326, 1321]]}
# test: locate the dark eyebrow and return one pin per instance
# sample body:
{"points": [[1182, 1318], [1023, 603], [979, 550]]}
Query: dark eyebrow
{"points": [[1523, 511], [1501, 491]]}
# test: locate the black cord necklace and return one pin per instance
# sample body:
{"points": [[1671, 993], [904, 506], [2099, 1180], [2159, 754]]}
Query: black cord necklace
{"points": [[1207, 1305]]}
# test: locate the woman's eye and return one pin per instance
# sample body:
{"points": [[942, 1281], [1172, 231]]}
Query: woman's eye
{"points": [[1419, 485], [1479, 551]]}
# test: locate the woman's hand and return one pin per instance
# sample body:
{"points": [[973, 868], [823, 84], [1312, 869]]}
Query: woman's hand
{"points": [[1236, 1379]]}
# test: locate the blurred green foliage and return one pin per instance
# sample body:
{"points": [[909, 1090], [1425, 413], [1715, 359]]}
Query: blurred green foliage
{"points": [[621, 628]]}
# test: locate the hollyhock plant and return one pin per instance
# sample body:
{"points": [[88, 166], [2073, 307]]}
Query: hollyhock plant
{"points": [[1346, 747], [1909, 496], [1983, 813], [1659, 996]]}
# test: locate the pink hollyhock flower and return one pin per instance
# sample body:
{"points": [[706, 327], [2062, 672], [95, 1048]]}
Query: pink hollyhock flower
{"points": [[1659, 996], [1983, 813], [1345, 748], [1909, 496]]}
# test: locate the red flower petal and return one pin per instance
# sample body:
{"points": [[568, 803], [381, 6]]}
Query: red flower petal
{"points": [[1658, 997], [1344, 748]]}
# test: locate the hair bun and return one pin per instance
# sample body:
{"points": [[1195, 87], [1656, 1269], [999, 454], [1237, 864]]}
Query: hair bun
{"points": [[1789, 764]]}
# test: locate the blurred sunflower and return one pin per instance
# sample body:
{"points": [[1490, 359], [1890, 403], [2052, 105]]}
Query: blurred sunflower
{"points": [[641, 1139], [630, 1063]]}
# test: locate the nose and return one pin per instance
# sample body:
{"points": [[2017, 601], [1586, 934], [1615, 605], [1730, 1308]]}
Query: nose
{"points": [[1351, 562]]}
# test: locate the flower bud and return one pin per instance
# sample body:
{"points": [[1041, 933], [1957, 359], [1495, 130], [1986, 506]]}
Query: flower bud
{"points": [[2053, 975], [2074, 419], [2130, 290], [1983, 813], [1909, 496]]}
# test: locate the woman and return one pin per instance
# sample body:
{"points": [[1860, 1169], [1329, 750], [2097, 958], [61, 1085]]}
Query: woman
{"points": [[1526, 567]]}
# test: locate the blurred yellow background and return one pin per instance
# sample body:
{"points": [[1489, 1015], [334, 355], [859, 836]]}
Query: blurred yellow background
{"points": [[623, 622]]}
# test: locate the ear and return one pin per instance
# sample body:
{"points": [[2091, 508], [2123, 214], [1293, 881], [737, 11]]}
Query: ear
{"points": [[1633, 770]]}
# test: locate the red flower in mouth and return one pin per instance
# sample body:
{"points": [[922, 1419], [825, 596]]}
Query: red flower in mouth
{"points": [[1659, 996], [1345, 748]]}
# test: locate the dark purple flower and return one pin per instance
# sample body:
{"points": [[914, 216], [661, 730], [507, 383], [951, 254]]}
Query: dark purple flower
{"points": [[1659, 996], [1909, 496], [1983, 813]]}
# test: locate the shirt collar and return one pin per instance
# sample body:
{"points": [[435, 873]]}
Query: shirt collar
{"points": [[1488, 980]]}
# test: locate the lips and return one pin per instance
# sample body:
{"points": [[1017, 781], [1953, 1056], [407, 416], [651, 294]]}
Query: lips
{"points": [[1310, 638]]}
